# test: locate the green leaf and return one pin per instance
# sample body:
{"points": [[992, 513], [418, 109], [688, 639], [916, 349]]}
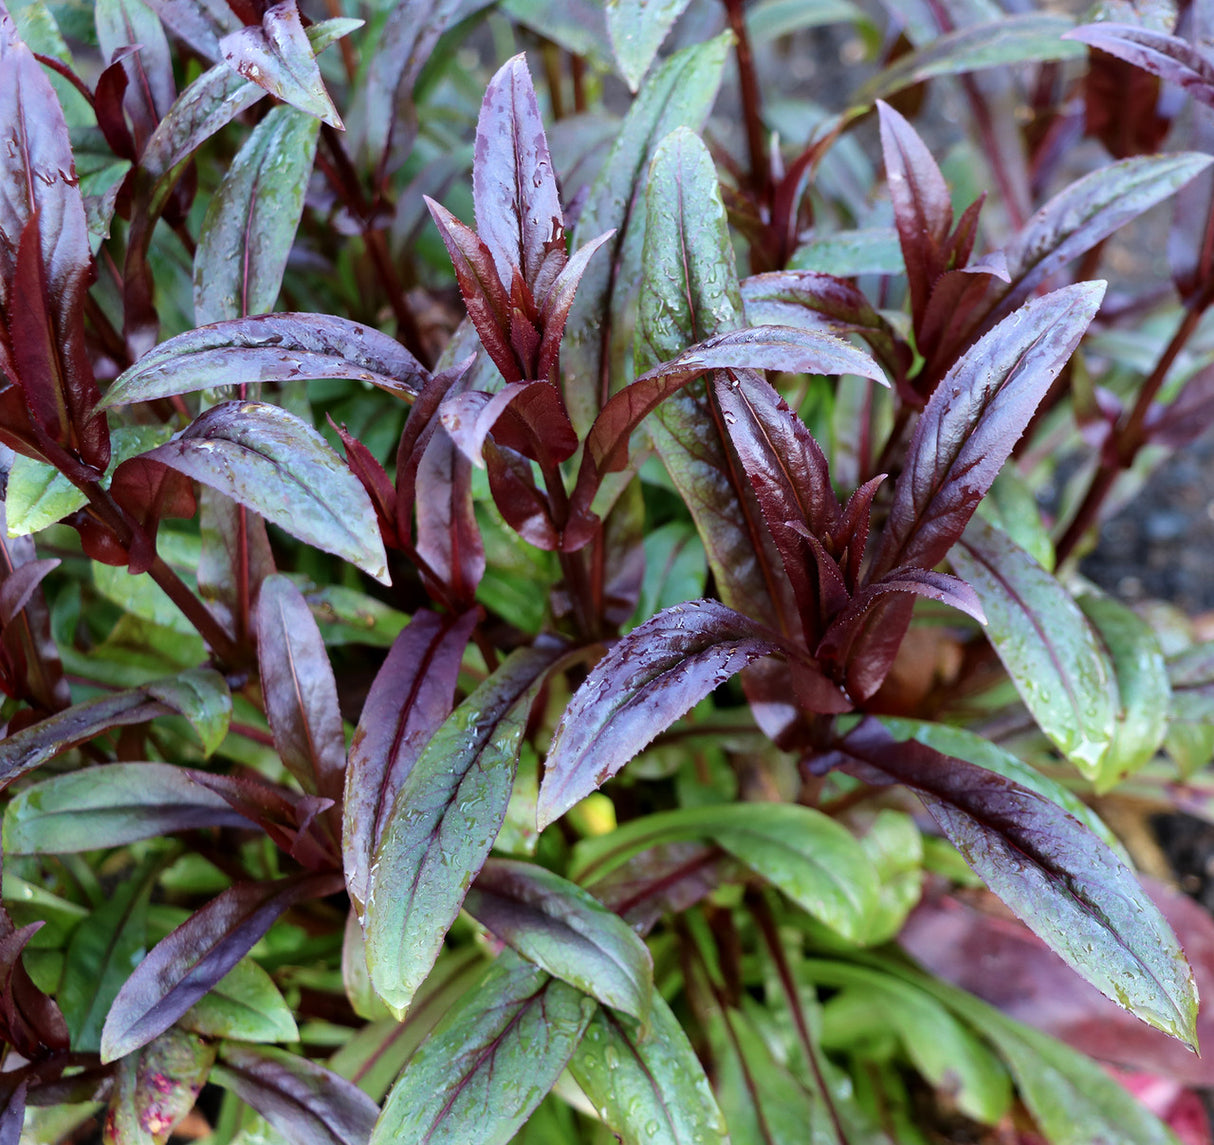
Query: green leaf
{"points": [[444, 820], [156, 1088], [110, 805], [647, 1089], [251, 220], [201, 695], [873, 250], [103, 951], [979, 750], [1045, 643], [771, 19], [490, 1062], [1141, 676], [680, 92], [277, 465], [1017, 39], [675, 568], [246, 1005], [637, 29], [895, 846], [1073, 1100], [942, 1049], [815, 861], [565, 930]]}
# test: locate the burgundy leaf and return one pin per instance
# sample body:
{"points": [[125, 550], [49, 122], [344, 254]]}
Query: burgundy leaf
{"points": [[654, 675], [19, 586], [528, 417], [182, 967], [30, 1021], [299, 690], [522, 506], [375, 480], [1121, 106], [1053, 872], [791, 480], [411, 696], [484, 293], [448, 538], [973, 420], [42, 293], [518, 207], [1170, 57], [305, 1102], [278, 57], [668, 878], [285, 815], [862, 613], [149, 492], [235, 559], [851, 532], [815, 301], [149, 69], [32, 746], [556, 304], [923, 208], [269, 348]]}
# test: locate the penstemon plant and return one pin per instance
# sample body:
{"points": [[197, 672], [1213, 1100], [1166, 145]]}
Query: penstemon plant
{"points": [[523, 640]]}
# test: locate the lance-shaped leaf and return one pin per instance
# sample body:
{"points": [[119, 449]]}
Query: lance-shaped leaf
{"points": [[110, 805], [1046, 644], [234, 561], [202, 696], [246, 1005], [150, 88], [518, 207], [277, 465], [923, 208], [1172, 58], [1056, 875], [812, 859], [638, 1083], [305, 1102], [527, 417], [251, 221], [269, 348], [654, 675], [32, 746], [637, 29], [974, 419], [444, 820], [182, 967], [448, 538], [45, 261], [1140, 674], [1088, 211], [299, 690], [679, 93], [30, 1021], [1011, 39], [565, 930], [410, 697], [156, 1088], [278, 57], [476, 1079]]}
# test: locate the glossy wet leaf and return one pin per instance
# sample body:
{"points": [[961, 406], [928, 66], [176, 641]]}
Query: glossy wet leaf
{"points": [[181, 968], [306, 1103], [637, 29], [299, 690], [110, 805], [812, 859], [974, 419], [411, 696], [277, 465], [654, 675], [269, 348], [490, 1062], [444, 820], [1012, 39], [1069, 888], [680, 92], [244, 1004], [651, 1087], [1144, 694], [1046, 644], [250, 223], [563, 929], [278, 57], [201, 695]]}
